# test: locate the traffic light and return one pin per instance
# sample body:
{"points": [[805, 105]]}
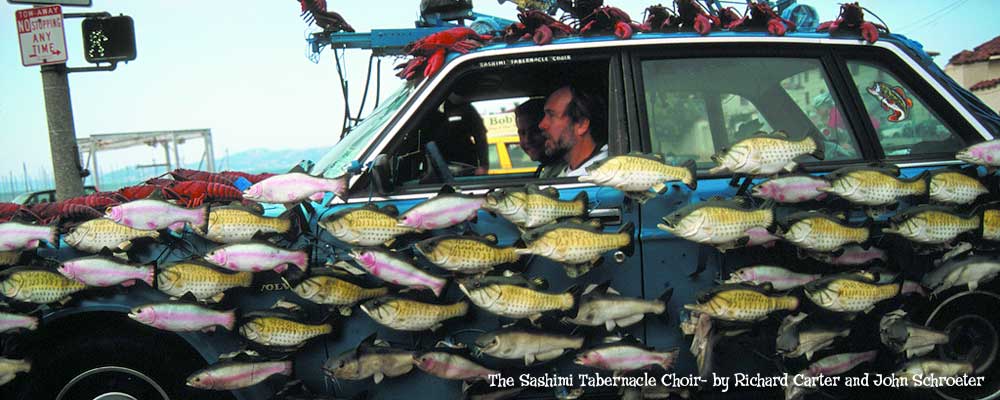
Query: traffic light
{"points": [[109, 39]]}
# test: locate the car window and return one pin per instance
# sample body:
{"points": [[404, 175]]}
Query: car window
{"points": [[470, 120], [905, 125], [696, 107]]}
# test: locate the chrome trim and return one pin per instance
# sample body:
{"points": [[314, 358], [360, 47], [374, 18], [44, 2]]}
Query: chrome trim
{"points": [[415, 196], [930, 164], [424, 89]]}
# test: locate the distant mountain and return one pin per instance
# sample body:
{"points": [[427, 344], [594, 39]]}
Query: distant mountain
{"points": [[252, 161]]}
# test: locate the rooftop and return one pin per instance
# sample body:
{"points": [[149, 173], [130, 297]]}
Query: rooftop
{"points": [[982, 52]]}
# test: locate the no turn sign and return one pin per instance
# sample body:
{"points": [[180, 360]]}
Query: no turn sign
{"points": [[40, 32]]}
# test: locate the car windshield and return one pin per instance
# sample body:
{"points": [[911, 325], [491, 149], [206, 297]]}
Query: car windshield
{"points": [[336, 161], [21, 198]]}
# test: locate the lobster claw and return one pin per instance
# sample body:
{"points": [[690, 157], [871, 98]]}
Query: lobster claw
{"points": [[702, 24], [623, 30], [543, 35], [434, 63], [869, 32], [776, 27]]}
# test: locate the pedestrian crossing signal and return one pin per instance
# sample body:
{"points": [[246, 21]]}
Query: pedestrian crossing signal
{"points": [[109, 39]]}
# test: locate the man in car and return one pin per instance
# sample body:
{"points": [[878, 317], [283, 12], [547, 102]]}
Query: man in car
{"points": [[527, 115], [574, 127]]}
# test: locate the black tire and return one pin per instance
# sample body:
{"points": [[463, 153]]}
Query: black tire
{"points": [[114, 356], [972, 323]]}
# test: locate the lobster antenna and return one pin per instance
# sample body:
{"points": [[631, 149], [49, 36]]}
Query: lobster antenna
{"points": [[884, 25]]}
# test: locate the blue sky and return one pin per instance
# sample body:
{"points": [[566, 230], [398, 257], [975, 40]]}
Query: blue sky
{"points": [[241, 69]]}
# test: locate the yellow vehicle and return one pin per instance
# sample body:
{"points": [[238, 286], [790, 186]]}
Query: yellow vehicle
{"points": [[506, 156]]}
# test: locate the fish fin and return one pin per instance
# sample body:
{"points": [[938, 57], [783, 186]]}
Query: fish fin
{"points": [[629, 321], [128, 283], [809, 355], [609, 325], [529, 359], [391, 210], [217, 298], [820, 152], [692, 167], [379, 377], [660, 188], [665, 297], [583, 197], [599, 288], [446, 189], [551, 192], [972, 285], [630, 229], [492, 238]]}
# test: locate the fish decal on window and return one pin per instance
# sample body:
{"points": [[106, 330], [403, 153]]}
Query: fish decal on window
{"points": [[892, 98]]}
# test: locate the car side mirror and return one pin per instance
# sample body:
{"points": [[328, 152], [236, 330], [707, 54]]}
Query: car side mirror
{"points": [[381, 171]]}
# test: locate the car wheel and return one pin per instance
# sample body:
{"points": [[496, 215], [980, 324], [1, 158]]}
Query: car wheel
{"points": [[972, 324]]}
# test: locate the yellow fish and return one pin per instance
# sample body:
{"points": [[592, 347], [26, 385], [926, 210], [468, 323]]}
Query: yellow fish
{"points": [[765, 154], [280, 332], [365, 226], [514, 301], [848, 293], [741, 303], [236, 224], [409, 315], [100, 233], [324, 289], [819, 232], [38, 286], [202, 281]]}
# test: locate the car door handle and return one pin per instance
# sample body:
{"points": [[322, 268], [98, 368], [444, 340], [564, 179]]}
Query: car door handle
{"points": [[607, 216]]}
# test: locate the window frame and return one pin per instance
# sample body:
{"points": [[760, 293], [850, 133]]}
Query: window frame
{"points": [[433, 96], [824, 54]]}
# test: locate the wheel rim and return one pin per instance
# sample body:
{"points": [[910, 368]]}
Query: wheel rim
{"points": [[972, 325], [108, 383]]}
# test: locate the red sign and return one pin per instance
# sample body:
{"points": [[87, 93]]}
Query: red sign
{"points": [[40, 32]]}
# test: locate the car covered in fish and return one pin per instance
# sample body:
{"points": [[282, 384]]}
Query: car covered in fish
{"points": [[762, 213]]}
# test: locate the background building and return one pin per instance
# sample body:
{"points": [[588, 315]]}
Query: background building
{"points": [[979, 71]]}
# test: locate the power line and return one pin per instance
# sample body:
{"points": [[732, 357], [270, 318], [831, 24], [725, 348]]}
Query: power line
{"points": [[934, 16]]}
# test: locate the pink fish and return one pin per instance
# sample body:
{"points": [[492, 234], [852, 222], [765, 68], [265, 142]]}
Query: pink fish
{"points": [[626, 357], [155, 215], [179, 317], [442, 211], [779, 278], [840, 363], [17, 236], [451, 366], [233, 376], [853, 255], [394, 269], [10, 322], [792, 189], [985, 154], [101, 271], [295, 187], [256, 257]]}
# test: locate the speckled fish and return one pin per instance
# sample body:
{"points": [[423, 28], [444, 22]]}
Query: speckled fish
{"points": [[872, 186], [10, 368], [991, 225], [371, 359], [18, 236], [852, 255], [393, 268], [791, 189], [446, 365], [849, 293], [514, 301], [530, 346], [256, 257], [795, 340], [903, 336], [779, 278], [531, 207], [765, 154], [294, 187], [100, 271], [9, 257], [465, 254], [97, 234], [154, 215], [923, 369], [971, 271], [330, 290], [577, 246], [986, 154], [931, 224], [892, 99], [202, 281], [820, 232], [365, 226], [623, 357], [181, 317], [947, 186], [734, 302], [637, 173], [410, 315], [38, 286], [237, 224], [716, 221], [444, 210], [281, 332], [602, 305], [237, 375], [11, 322]]}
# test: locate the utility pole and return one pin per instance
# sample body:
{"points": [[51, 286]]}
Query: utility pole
{"points": [[62, 133]]}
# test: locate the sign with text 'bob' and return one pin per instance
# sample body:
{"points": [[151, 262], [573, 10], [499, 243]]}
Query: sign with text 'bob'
{"points": [[41, 35]]}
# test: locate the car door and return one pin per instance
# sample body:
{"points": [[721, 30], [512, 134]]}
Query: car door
{"points": [[690, 107], [607, 206]]}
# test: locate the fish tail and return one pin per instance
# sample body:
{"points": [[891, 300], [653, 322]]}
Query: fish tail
{"points": [[229, 320], [581, 200], [149, 275], [667, 361], [286, 368], [302, 260], [461, 308], [788, 302], [53, 237], [691, 180], [200, 218], [438, 287], [819, 149]]}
